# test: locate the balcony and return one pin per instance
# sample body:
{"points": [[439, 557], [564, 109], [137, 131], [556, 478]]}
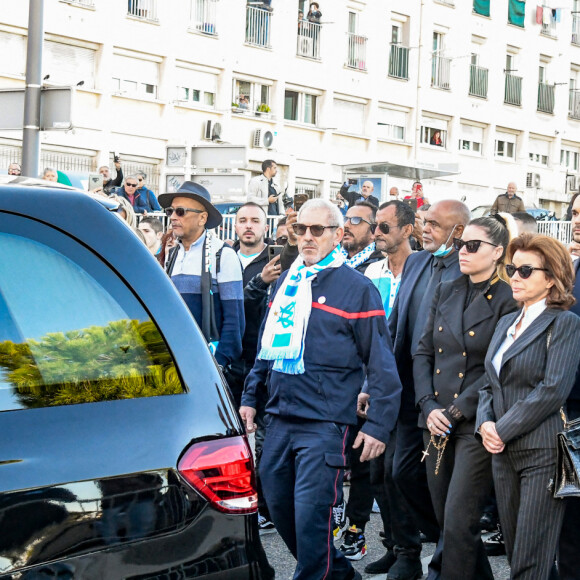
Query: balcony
{"points": [[546, 98], [357, 51], [478, 81], [144, 9], [85, 3], [399, 62], [574, 104], [549, 28], [203, 16], [308, 44], [441, 72], [576, 29], [258, 26], [513, 90]]}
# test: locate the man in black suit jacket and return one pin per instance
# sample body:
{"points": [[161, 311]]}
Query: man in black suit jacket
{"points": [[422, 273], [569, 555]]}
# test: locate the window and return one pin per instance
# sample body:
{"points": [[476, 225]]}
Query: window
{"points": [[505, 146], [12, 53], [146, 9], [196, 86], [539, 152], [471, 140], [517, 12], [481, 7], [392, 124], [434, 132], [349, 116], [569, 159], [68, 65], [250, 96], [135, 76], [79, 334], [300, 107]]}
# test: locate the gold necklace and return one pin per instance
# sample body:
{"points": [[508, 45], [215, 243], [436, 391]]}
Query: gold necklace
{"points": [[440, 446]]}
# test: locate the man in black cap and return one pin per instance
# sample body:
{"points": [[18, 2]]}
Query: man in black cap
{"points": [[206, 272]]}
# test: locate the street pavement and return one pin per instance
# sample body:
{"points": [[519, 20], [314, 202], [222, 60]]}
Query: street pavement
{"points": [[284, 563]]}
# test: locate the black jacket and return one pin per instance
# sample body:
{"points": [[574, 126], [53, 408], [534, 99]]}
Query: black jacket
{"points": [[113, 183], [255, 301], [448, 364]]}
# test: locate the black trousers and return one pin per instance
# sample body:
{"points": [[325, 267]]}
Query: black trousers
{"points": [[409, 474], [236, 375], [530, 517], [569, 549], [458, 492], [360, 498], [401, 531]]}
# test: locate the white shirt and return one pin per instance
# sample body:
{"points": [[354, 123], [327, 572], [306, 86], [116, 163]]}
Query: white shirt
{"points": [[385, 281], [245, 260], [529, 315]]}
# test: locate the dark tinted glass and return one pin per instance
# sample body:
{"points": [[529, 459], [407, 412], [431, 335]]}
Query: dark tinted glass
{"points": [[70, 330]]}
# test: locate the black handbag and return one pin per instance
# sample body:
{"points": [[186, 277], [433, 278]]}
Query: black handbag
{"points": [[567, 480]]}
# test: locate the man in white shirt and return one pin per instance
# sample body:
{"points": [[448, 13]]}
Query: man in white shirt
{"points": [[263, 191], [395, 221]]}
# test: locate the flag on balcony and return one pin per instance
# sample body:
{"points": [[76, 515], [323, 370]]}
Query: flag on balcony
{"points": [[517, 12], [539, 14], [481, 7]]}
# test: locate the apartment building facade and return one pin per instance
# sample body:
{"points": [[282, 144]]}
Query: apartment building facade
{"points": [[487, 88]]}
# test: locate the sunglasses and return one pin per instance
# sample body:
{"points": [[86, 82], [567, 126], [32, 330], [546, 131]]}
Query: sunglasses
{"points": [[355, 220], [470, 245], [181, 211], [524, 271], [140, 179], [316, 230], [281, 240], [130, 184], [385, 228]]}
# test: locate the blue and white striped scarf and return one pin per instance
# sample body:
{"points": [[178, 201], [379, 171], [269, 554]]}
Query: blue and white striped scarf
{"points": [[287, 322], [359, 258]]}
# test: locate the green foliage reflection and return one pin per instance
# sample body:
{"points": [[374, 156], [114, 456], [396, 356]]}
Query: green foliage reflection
{"points": [[123, 360]]}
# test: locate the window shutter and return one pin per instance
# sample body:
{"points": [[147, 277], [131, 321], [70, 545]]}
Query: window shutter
{"points": [[68, 65]]}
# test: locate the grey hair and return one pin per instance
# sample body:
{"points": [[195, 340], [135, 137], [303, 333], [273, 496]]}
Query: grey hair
{"points": [[141, 173], [335, 217], [46, 169]]}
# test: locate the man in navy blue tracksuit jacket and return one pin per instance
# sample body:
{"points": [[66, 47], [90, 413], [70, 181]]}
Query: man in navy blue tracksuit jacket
{"points": [[310, 413]]}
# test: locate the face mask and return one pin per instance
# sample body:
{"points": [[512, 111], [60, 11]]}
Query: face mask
{"points": [[443, 250]]}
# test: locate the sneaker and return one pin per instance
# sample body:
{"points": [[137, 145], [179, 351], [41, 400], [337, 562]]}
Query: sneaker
{"points": [[354, 546], [265, 526], [494, 545], [339, 520]]}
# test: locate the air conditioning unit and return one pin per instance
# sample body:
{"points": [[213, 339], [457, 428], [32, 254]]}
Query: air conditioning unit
{"points": [[533, 180], [264, 139], [572, 182], [212, 130]]}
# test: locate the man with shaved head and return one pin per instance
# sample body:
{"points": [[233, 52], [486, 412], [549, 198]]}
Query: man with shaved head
{"points": [[423, 271], [367, 192], [508, 202]]}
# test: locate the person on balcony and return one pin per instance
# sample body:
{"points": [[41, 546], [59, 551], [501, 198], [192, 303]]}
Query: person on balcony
{"points": [[314, 15]]}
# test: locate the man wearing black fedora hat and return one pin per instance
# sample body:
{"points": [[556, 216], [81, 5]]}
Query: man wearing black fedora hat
{"points": [[206, 272]]}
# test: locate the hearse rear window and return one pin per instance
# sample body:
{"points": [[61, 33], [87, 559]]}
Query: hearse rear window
{"points": [[71, 331]]}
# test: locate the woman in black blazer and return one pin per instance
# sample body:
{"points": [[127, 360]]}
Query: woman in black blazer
{"points": [[530, 370], [448, 372]]}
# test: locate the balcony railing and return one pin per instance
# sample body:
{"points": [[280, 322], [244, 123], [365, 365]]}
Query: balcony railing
{"points": [[574, 104], [441, 72], [549, 29], [357, 51], [478, 81], [513, 90], [575, 29], [203, 16], [258, 26], [308, 42], [546, 97], [399, 62], [145, 9]]}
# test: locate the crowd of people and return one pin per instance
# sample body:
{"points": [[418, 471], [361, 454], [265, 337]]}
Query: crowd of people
{"points": [[427, 354]]}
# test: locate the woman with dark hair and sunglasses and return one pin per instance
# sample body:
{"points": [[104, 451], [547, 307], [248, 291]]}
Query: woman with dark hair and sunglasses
{"points": [[530, 370], [448, 372]]}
